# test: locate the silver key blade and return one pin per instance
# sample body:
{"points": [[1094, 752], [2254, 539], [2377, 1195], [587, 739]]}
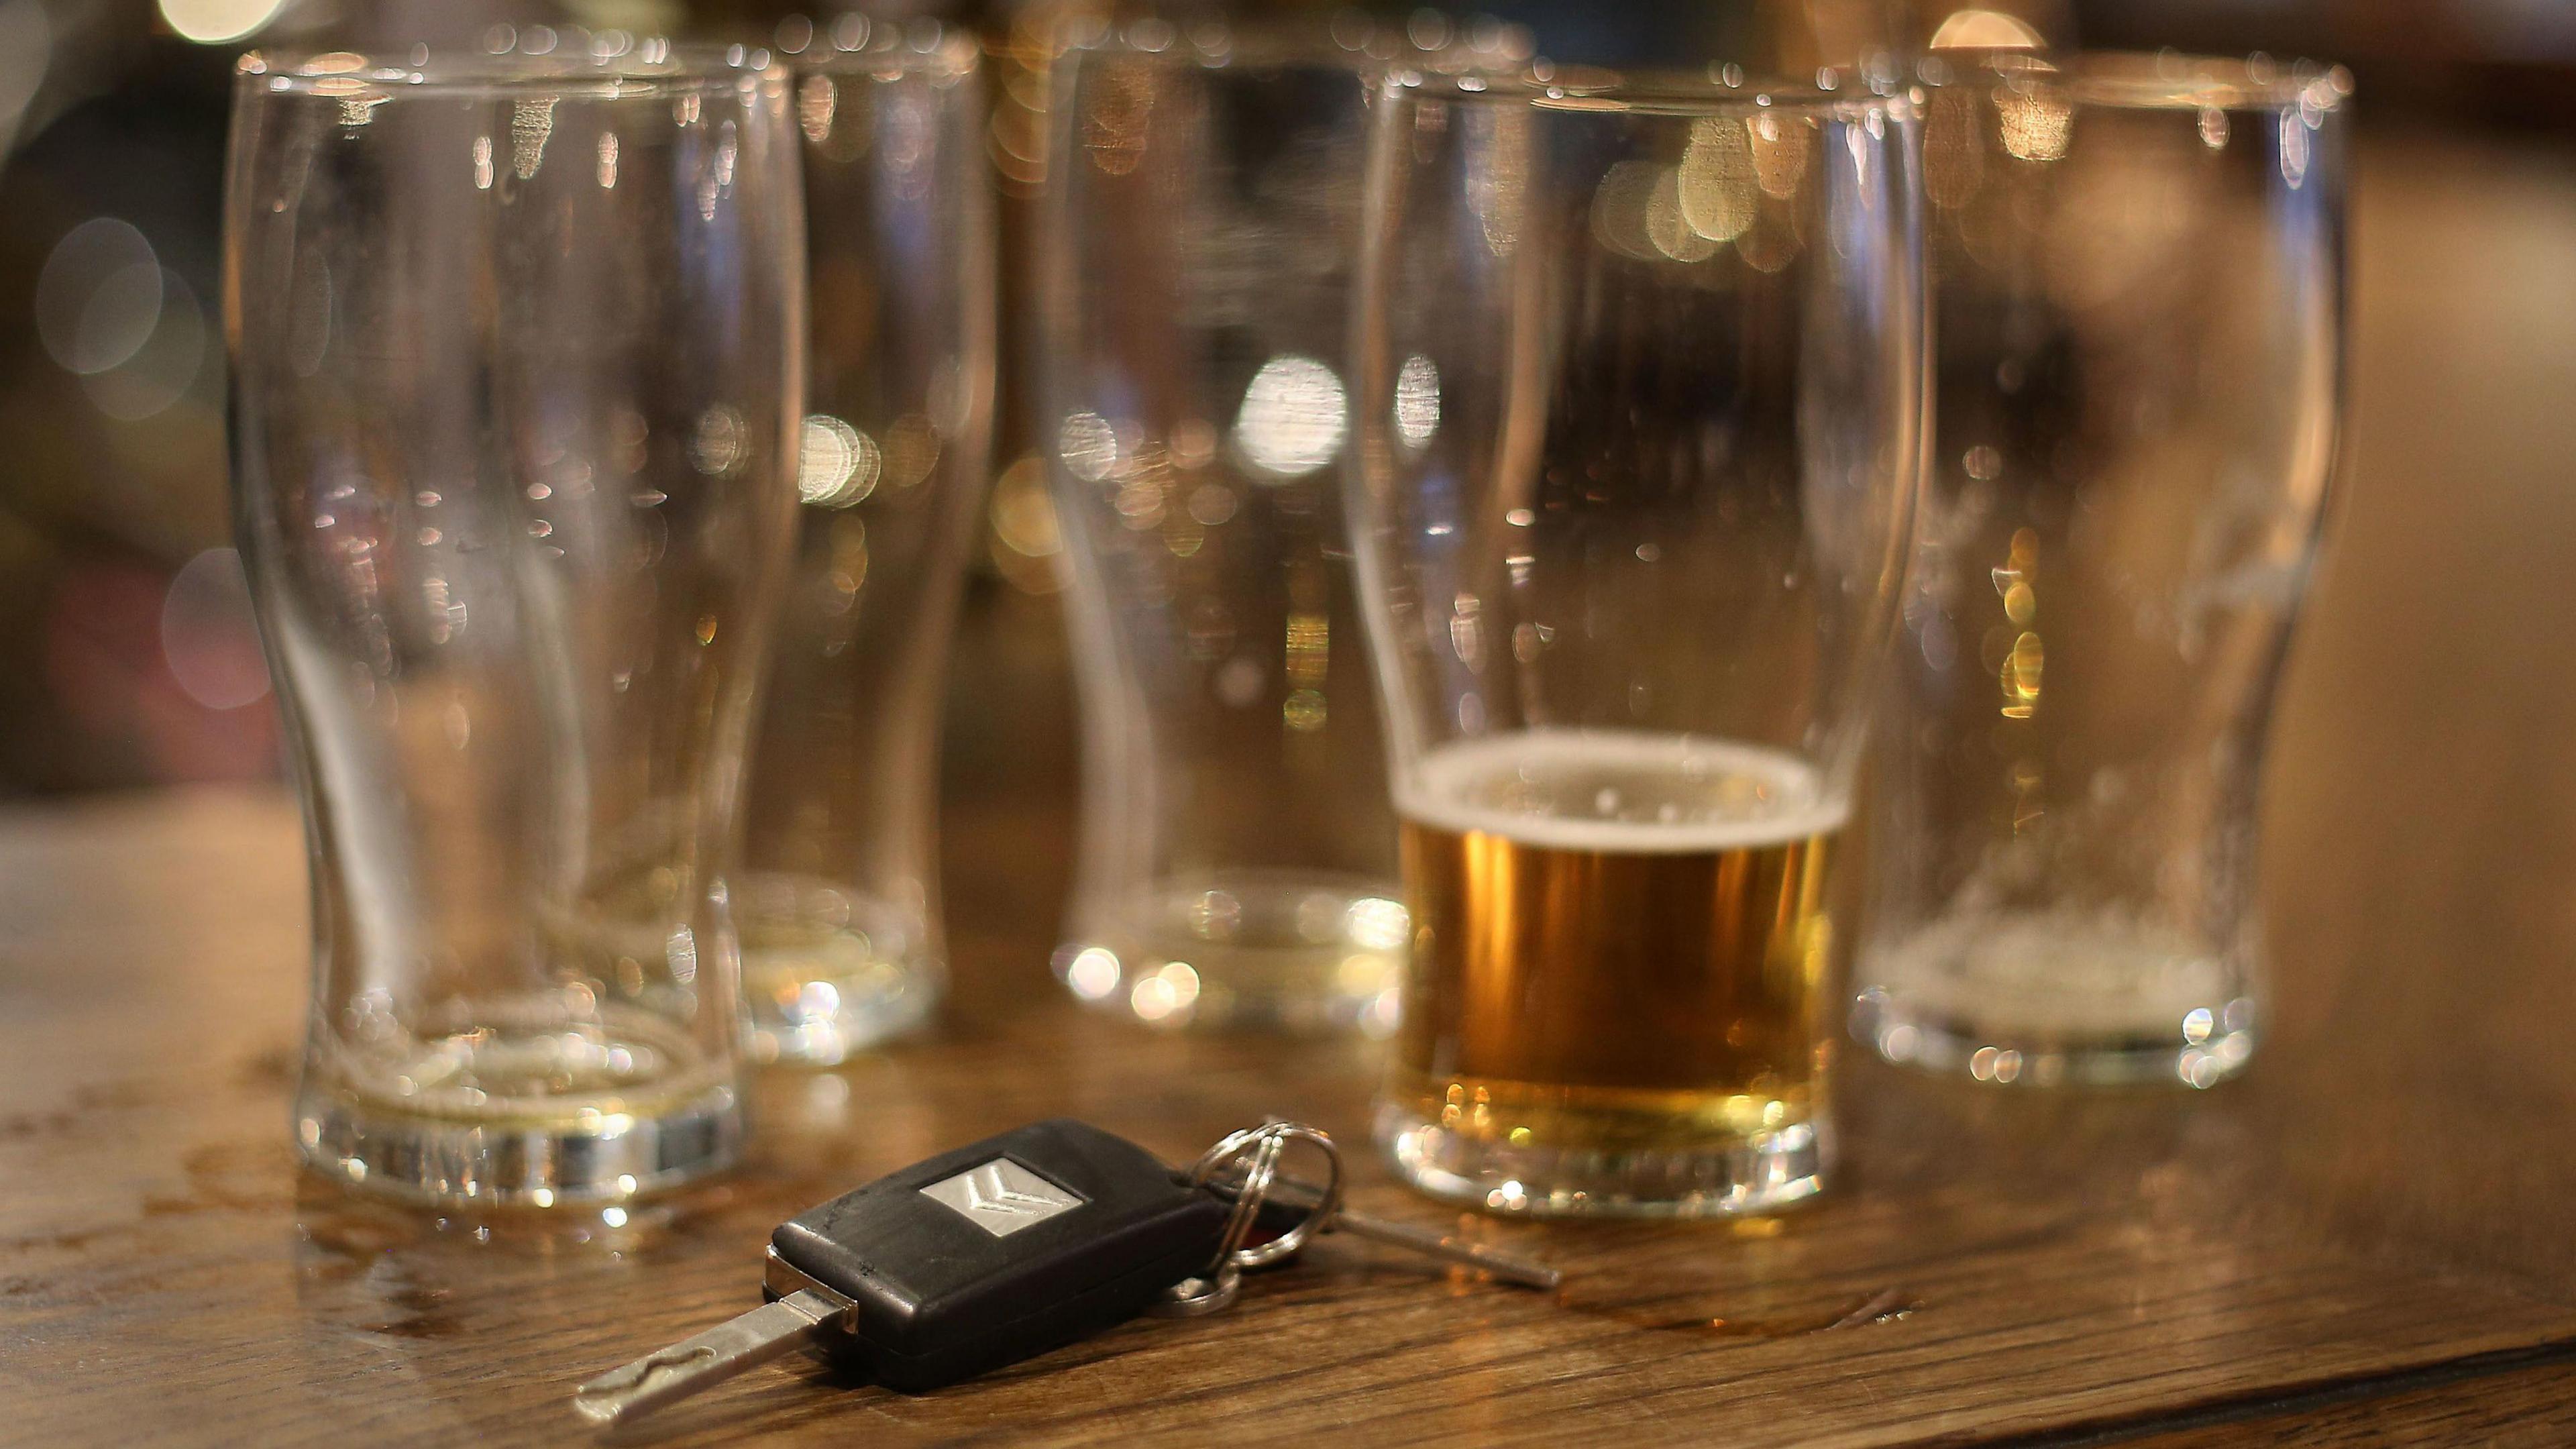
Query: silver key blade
{"points": [[625, 1394], [1508, 1267]]}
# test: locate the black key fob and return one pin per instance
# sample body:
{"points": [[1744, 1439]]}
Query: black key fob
{"points": [[998, 1251]]}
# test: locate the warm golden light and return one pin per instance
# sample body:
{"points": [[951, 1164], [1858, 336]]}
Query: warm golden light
{"points": [[1666, 230], [2033, 124], [1780, 146], [1717, 181], [1986, 30]]}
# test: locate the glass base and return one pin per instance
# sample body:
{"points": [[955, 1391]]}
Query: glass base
{"points": [[1716, 1173], [1904, 1034], [520, 1112], [2050, 997], [827, 972], [1278, 950]]}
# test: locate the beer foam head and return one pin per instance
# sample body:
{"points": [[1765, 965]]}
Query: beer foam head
{"points": [[1620, 790]]}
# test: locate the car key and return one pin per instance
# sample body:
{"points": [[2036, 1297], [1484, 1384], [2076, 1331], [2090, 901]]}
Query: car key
{"points": [[1004, 1249]]}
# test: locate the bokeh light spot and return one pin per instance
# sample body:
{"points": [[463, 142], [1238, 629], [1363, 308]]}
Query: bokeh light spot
{"points": [[1417, 400], [836, 464], [161, 371], [718, 446], [1088, 445], [99, 295], [1291, 422], [217, 22], [1093, 973], [1985, 30], [207, 636]]}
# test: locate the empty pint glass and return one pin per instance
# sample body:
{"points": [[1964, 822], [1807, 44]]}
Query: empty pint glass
{"points": [[2138, 322], [517, 360], [1638, 399], [1238, 852], [838, 902]]}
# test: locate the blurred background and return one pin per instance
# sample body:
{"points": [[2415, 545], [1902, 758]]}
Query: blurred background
{"points": [[126, 657]]}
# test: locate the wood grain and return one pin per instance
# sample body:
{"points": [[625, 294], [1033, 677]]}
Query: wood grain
{"points": [[2532, 1408], [2300, 1256]]}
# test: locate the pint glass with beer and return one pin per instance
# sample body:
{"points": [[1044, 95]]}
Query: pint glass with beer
{"points": [[1639, 405]]}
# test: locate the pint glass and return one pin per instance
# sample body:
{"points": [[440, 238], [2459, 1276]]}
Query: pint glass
{"points": [[2139, 322], [838, 901], [517, 356], [1238, 852], [1639, 402]]}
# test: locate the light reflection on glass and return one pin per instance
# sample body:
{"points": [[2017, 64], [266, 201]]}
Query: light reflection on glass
{"points": [[716, 447], [1093, 973], [1026, 543], [2294, 149], [1717, 181], [1379, 924], [1166, 995], [1292, 421], [1417, 400], [1666, 229], [1780, 145], [1088, 445], [836, 463], [2033, 121], [1974, 29]]}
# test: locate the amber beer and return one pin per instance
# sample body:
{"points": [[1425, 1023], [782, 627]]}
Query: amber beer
{"points": [[1618, 972]]}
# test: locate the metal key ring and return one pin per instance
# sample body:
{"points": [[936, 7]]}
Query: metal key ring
{"points": [[1223, 1280], [1269, 1142]]}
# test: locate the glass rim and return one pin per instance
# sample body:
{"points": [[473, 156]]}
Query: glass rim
{"points": [[2150, 80], [622, 67], [1286, 44], [1717, 91], [852, 42]]}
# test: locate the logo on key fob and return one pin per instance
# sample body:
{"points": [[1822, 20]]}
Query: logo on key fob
{"points": [[1002, 1197]]}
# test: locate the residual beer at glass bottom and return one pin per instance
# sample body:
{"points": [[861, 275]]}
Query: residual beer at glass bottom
{"points": [[1618, 975]]}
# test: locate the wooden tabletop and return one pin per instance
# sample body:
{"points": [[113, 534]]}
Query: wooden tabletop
{"points": [[2370, 1238]]}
